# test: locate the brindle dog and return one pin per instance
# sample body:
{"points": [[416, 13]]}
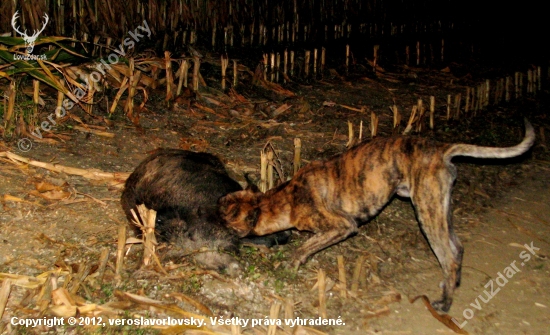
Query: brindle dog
{"points": [[331, 198]]}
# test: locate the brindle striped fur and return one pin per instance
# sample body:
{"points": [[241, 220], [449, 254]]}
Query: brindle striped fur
{"points": [[331, 198]]}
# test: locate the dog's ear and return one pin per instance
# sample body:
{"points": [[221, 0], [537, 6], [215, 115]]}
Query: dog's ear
{"points": [[250, 185], [253, 188]]}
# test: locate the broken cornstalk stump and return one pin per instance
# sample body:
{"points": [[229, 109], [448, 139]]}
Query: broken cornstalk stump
{"points": [[145, 219], [273, 315], [373, 124], [263, 171], [322, 285], [225, 64], [357, 273], [458, 99], [196, 68], [351, 136], [169, 76], [120, 251], [182, 73], [103, 259], [289, 313], [297, 152], [342, 276], [5, 290], [270, 164]]}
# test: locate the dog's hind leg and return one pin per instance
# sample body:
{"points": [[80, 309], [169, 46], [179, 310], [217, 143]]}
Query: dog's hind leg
{"points": [[432, 201], [337, 228]]}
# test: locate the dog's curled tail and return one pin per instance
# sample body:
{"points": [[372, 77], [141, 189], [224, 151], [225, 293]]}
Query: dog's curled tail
{"points": [[492, 152]]}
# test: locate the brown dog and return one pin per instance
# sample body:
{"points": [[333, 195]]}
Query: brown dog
{"points": [[331, 198]]}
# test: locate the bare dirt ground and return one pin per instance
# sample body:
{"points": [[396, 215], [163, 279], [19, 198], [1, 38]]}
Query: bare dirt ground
{"points": [[498, 208]]}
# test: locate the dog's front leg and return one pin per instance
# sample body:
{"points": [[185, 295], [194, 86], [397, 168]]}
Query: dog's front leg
{"points": [[336, 229]]}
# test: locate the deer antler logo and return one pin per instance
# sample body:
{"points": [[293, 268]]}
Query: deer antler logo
{"points": [[29, 40]]}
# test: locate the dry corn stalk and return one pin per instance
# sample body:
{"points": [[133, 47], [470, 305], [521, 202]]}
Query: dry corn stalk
{"points": [[89, 174], [263, 171], [5, 290], [273, 315], [323, 57], [412, 119], [35, 96], [121, 90], [8, 114], [342, 276], [277, 66], [196, 67], [315, 62], [321, 280], [357, 273], [145, 219], [182, 73], [169, 76], [458, 99], [351, 136], [265, 63], [373, 124], [225, 64], [297, 152], [103, 259], [396, 117], [375, 58], [289, 313], [270, 165], [129, 107], [120, 251], [421, 110]]}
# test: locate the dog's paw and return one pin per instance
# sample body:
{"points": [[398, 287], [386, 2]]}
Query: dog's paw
{"points": [[442, 305]]}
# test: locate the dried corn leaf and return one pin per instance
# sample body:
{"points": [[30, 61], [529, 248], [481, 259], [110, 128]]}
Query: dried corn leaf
{"points": [[23, 281], [199, 306], [45, 186], [51, 195], [63, 311]]}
